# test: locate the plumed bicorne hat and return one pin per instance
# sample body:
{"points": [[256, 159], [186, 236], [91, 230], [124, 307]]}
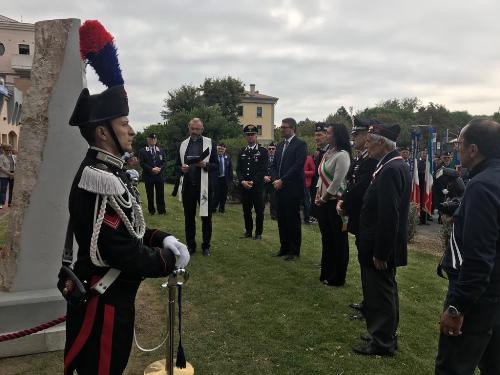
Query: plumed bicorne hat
{"points": [[97, 49]]}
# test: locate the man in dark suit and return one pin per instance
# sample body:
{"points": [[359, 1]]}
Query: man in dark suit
{"points": [[383, 240], [224, 178], [152, 159], [288, 181], [251, 168]]}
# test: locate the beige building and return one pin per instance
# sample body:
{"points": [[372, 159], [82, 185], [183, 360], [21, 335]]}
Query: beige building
{"points": [[17, 44], [258, 109]]}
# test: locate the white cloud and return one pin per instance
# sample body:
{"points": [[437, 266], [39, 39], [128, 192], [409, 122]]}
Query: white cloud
{"points": [[313, 55]]}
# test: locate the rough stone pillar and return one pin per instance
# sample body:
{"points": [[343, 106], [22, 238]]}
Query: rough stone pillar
{"points": [[49, 154]]}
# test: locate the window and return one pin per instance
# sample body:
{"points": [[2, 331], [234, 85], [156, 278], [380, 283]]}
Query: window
{"points": [[259, 129], [259, 111], [240, 110], [24, 49], [2, 49]]}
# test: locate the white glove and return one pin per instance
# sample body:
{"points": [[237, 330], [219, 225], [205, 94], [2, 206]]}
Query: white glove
{"points": [[178, 249]]}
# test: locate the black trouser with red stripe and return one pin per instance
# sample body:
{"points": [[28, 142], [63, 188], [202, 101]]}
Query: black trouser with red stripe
{"points": [[99, 335]]}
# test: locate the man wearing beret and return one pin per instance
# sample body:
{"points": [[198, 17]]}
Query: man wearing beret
{"points": [[152, 160], [251, 168], [383, 240]]}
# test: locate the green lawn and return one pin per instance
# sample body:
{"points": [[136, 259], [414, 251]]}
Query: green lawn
{"points": [[249, 313]]}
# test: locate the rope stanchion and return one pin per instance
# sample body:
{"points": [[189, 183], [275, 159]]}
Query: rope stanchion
{"points": [[29, 331]]}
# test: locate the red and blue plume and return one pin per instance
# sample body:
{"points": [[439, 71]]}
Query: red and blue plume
{"points": [[98, 50]]}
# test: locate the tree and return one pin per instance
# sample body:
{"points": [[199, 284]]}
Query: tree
{"points": [[184, 98], [224, 92]]}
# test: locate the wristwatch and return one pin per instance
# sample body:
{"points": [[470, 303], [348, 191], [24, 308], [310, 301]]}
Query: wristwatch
{"points": [[453, 311]]}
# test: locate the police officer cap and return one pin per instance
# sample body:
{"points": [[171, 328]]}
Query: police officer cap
{"points": [[320, 127], [446, 153], [152, 135], [271, 144], [250, 129], [361, 124], [390, 132]]}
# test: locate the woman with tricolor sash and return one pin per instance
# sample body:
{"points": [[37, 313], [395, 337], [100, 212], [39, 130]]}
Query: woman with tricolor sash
{"points": [[331, 183]]}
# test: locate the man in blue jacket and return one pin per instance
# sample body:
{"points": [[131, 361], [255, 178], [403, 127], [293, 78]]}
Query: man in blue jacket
{"points": [[470, 323]]}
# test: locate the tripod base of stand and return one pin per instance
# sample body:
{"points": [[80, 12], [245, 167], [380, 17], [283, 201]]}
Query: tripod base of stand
{"points": [[158, 368]]}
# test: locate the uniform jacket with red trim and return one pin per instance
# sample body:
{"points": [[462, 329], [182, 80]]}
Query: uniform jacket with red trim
{"points": [[135, 258]]}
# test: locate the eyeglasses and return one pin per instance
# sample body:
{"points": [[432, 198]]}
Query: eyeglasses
{"points": [[272, 148]]}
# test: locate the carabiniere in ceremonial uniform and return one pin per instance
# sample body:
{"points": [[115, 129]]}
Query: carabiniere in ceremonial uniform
{"points": [[250, 169]]}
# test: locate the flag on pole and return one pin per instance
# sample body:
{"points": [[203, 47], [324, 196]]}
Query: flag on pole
{"points": [[427, 196], [415, 190]]}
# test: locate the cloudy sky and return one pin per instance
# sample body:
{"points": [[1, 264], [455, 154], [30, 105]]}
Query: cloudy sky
{"points": [[313, 55]]}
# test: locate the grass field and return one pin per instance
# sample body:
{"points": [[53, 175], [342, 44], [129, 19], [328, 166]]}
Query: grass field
{"points": [[246, 312]]}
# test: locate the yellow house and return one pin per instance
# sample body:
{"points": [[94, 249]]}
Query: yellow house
{"points": [[258, 109]]}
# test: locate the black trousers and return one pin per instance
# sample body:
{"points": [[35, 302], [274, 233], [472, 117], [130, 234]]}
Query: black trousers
{"points": [[478, 346], [269, 195], [11, 188], [289, 221], [151, 186], [220, 195], [380, 306], [99, 334], [335, 244], [190, 200], [253, 198]]}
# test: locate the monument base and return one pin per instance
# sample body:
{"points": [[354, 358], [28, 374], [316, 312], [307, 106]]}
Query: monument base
{"points": [[23, 310], [158, 368]]}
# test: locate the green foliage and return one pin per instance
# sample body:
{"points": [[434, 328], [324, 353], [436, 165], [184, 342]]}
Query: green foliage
{"points": [[224, 92], [183, 99]]}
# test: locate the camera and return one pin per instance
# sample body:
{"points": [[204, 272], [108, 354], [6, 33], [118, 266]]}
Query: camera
{"points": [[449, 206], [449, 183]]}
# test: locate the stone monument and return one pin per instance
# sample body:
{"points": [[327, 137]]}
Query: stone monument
{"points": [[50, 152]]}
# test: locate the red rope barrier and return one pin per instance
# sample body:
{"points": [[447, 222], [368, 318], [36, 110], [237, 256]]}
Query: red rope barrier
{"points": [[29, 331]]}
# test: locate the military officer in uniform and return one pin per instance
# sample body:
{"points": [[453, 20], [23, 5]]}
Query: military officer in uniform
{"points": [[152, 159], [115, 249], [269, 193], [358, 179], [251, 168]]}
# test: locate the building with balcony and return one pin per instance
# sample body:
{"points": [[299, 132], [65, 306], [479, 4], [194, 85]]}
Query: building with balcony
{"points": [[258, 109], [17, 44]]}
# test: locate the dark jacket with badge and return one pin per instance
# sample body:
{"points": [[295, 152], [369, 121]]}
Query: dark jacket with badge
{"points": [[136, 259], [358, 179], [150, 159], [252, 165], [384, 214], [472, 259]]}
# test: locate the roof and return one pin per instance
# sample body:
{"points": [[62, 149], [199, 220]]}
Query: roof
{"points": [[10, 24], [7, 19], [258, 97]]}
